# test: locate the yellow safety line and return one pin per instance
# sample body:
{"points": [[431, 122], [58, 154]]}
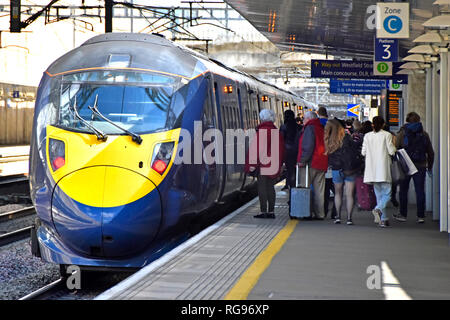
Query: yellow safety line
{"points": [[250, 278]]}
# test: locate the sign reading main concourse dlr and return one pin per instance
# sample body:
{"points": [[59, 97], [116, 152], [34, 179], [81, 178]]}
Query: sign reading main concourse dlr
{"points": [[350, 70]]}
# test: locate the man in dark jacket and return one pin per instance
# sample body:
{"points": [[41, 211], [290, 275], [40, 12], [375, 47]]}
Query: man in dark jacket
{"points": [[289, 130], [312, 153], [417, 144]]}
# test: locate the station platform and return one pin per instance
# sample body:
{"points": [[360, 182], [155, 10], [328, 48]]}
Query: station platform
{"points": [[14, 160], [241, 257]]}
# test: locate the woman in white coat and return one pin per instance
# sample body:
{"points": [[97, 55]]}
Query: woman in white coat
{"points": [[378, 147]]}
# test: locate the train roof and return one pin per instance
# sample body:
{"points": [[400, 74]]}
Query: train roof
{"points": [[172, 58]]}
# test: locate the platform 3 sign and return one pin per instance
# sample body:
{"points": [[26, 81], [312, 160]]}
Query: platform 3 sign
{"points": [[351, 70], [357, 86], [386, 50]]}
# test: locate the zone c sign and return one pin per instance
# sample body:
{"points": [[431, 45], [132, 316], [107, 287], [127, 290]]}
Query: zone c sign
{"points": [[393, 20]]}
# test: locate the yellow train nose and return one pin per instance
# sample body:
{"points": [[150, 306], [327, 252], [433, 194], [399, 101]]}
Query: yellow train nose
{"points": [[105, 186], [106, 211]]}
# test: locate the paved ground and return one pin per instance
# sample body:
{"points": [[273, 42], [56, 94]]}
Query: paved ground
{"points": [[321, 260]]}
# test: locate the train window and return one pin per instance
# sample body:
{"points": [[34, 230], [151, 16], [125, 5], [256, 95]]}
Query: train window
{"points": [[234, 117], [249, 122], [240, 106], [208, 114], [226, 117], [138, 102]]}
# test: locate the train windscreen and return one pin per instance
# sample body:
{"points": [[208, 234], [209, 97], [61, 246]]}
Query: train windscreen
{"points": [[139, 102]]}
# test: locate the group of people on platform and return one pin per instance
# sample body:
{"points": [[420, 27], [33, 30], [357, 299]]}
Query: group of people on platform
{"points": [[341, 155]]}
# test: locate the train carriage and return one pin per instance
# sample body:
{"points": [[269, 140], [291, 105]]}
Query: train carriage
{"points": [[107, 131]]}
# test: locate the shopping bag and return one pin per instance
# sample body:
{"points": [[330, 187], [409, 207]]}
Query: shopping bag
{"points": [[397, 172], [407, 163]]}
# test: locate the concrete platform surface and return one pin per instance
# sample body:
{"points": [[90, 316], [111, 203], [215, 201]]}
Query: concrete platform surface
{"points": [[319, 260], [322, 260]]}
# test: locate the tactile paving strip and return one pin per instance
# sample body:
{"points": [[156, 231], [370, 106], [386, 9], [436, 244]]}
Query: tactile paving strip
{"points": [[209, 268]]}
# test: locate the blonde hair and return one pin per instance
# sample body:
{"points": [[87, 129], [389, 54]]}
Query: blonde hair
{"points": [[334, 136]]}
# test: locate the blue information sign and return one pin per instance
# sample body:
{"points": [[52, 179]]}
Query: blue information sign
{"points": [[357, 86], [386, 50], [351, 70]]}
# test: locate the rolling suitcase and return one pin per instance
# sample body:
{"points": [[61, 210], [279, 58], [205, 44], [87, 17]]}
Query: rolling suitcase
{"points": [[365, 195], [300, 198]]}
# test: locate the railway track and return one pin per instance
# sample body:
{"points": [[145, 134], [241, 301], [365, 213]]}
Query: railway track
{"points": [[14, 186], [7, 216], [47, 291], [19, 234], [92, 284], [14, 236]]}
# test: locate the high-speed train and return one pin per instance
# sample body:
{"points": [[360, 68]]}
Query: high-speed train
{"points": [[107, 126]]}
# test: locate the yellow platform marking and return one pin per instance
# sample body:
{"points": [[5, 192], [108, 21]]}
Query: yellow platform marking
{"points": [[250, 278]]}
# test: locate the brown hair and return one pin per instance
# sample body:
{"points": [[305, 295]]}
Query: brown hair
{"points": [[334, 136], [412, 117], [322, 112], [378, 123]]}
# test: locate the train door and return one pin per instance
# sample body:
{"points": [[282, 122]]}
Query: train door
{"points": [[241, 109], [211, 172], [221, 127]]}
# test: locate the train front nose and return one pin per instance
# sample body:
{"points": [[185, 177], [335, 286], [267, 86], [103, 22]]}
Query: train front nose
{"points": [[106, 211]]}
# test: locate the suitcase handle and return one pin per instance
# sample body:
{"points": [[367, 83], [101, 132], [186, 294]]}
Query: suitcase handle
{"points": [[307, 176]]}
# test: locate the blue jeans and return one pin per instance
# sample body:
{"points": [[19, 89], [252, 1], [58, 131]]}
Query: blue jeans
{"points": [[383, 194], [339, 177], [419, 186]]}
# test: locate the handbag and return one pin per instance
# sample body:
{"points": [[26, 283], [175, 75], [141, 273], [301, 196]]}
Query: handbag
{"points": [[397, 172]]}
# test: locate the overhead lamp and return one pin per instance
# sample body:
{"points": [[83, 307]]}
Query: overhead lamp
{"points": [[442, 2], [430, 37], [410, 66], [424, 49], [405, 71], [442, 21], [415, 58]]}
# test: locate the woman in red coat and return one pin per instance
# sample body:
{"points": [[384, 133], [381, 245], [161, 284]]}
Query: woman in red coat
{"points": [[265, 158]]}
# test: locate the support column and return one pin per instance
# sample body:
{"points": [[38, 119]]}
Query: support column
{"points": [[108, 15], [429, 129], [443, 174], [447, 106], [435, 140]]}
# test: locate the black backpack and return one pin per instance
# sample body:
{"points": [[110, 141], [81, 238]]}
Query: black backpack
{"points": [[351, 159], [417, 147]]}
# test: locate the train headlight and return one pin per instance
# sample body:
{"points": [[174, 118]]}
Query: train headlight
{"points": [[57, 153], [162, 153]]}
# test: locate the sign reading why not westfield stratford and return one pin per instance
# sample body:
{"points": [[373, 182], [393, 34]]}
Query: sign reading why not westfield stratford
{"points": [[352, 70]]}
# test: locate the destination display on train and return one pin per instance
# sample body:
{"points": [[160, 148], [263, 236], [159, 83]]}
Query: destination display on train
{"points": [[350, 70]]}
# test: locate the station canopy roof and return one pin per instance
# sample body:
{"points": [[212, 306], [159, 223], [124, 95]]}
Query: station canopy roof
{"points": [[336, 27]]}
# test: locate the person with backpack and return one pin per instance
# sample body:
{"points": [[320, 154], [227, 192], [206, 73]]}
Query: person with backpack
{"points": [[378, 147], [345, 161], [418, 145], [289, 130]]}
